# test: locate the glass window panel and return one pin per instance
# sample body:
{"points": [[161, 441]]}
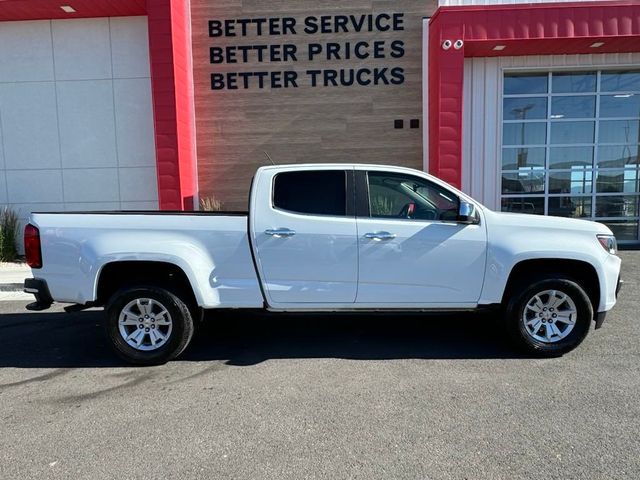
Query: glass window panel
{"points": [[618, 156], [525, 83], [321, 192], [617, 206], [521, 108], [570, 168], [572, 82], [392, 194], [515, 158], [569, 157], [530, 133], [620, 105], [620, 81], [583, 106], [524, 181], [577, 207], [577, 181], [572, 132], [623, 229], [533, 205], [619, 131], [623, 181]]}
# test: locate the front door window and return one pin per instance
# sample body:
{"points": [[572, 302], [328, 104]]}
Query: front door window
{"points": [[394, 195]]}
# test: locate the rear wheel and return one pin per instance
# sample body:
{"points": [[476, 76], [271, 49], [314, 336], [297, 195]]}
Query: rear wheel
{"points": [[550, 316], [148, 325]]}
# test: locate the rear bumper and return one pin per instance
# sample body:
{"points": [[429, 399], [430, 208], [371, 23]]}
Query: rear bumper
{"points": [[38, 287]]}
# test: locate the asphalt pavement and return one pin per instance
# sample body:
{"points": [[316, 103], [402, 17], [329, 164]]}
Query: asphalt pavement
{"points": [[321, 397]]}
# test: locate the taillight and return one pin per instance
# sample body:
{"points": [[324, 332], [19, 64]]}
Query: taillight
{"points": [[32, 249]]}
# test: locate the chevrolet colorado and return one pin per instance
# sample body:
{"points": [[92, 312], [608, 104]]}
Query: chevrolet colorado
{"points": [[339, 237]]}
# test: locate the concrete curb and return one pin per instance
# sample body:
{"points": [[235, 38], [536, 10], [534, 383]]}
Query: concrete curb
{"points": [[11, 287], [12, 277]]}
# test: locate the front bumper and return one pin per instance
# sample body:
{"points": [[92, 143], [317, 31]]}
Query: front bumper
{"points": [[38, 287], [601, 316], [619, 286]]}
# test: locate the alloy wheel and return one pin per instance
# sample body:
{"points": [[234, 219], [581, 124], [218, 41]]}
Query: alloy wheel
{"points": [[145, 324], [549, 316]]}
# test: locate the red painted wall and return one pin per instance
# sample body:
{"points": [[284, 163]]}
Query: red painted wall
{"points": [[172, 90]]}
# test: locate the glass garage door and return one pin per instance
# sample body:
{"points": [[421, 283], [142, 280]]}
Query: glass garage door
{"points": [[570, 145]]}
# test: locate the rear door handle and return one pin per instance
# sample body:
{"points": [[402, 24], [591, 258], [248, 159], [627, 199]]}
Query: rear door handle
{"points": [[380, 236], [280, 232]]}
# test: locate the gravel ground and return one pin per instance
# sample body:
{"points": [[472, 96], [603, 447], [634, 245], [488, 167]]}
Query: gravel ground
{"points": [[321, 397]]}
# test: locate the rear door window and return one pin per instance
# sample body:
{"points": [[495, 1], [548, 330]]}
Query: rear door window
{"points": [[315, 192]]}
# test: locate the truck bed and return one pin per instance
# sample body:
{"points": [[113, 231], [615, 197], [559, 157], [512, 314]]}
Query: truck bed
{"points": [[212, 248]]}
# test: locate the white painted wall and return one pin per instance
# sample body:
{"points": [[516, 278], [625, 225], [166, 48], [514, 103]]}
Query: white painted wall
{"points": [[482, 111], [76, 121]]}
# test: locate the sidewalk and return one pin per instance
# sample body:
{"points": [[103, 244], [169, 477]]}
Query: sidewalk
{"points": [[12, 277]]}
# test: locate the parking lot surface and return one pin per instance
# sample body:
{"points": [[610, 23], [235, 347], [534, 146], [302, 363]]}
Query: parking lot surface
{"points": [[321, 397]]}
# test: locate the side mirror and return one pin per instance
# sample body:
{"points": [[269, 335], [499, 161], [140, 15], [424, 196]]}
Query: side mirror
{"points": [[467, 213]]}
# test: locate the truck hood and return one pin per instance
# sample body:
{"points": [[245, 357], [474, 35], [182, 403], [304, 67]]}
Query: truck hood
{"points": [[522, 220]]}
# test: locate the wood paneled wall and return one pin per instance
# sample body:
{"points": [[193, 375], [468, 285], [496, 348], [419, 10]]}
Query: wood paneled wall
{"points": [[305, 124]]}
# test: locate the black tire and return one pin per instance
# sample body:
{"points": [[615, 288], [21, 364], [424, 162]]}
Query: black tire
{"points": [[180, 335], [520, 297]]}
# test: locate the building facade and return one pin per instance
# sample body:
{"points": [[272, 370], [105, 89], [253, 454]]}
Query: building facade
{"points": [[138, 104]]}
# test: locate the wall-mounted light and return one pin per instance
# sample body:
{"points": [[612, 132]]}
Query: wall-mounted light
{"points": [[596, 44], [499, 48], [446, 45], [67, 8], [458, 44]]}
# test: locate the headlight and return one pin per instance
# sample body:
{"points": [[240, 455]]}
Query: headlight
{"points": [[609, 243]]}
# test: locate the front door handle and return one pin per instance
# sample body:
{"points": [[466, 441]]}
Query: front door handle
{"points": [[280, 232], [380, 236]]}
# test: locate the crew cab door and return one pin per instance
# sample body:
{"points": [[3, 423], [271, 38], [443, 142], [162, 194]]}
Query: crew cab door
{"points": [[304, 237], [412, 249]]}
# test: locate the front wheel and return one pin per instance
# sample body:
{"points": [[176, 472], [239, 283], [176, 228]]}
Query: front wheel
{"points": [[148, 325], [549, 317]]}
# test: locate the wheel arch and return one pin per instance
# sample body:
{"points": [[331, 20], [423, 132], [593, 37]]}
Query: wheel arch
{"points": [[118, 274], [582, 272]]}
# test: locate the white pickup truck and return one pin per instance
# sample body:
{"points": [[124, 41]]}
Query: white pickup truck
{"points": [[326, 238]]}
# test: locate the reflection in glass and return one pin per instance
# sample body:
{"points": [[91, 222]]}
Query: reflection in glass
{"points": [[576, 181], [617, 206], [620, 81], [522, 108], [618, 156], [524, 181], [584, 167], [515, 158], [572, 132], [578, 207], [623, 181], [525, 83], [623, 229], [573, 82], [619, 131], [533, 205], [568, 157], [531, 133], [620, 105], [583, 106]]}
